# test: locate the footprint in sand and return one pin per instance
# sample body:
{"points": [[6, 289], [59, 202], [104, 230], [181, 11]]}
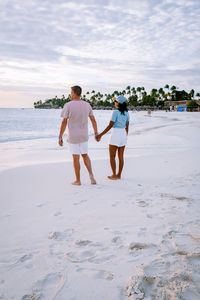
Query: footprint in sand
{"points": [[94, 256], [97, 274], [82, 243], [117, 240], [57, 214], [181, 252], [182, 199], [61, 235], [42, 204], [173, 197], [106, 228], [115, 204], [34, 295], [48, 287], [80, 257], [78, 203], [142, 203], [149, 216], [25, 258], [139, 246]]}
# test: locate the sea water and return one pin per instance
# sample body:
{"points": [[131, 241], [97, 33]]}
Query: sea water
{"points": [[31, 135], [28, 124]]}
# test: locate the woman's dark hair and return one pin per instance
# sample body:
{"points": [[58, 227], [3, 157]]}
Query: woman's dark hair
{"points": [[122, 107]]}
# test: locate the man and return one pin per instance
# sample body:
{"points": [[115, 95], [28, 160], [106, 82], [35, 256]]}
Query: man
{"points": [[75, 114]]}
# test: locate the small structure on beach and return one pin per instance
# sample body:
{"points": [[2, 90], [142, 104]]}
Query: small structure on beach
{"points": [[181, 105]]}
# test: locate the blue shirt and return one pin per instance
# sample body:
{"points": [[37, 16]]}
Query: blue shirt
{"points": [[120, 119]]}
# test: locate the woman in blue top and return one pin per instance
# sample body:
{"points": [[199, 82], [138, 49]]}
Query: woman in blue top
{"points": [[119, 123]]}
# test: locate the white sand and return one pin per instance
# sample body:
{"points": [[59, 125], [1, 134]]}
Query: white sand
{"points": [[137, 238]]}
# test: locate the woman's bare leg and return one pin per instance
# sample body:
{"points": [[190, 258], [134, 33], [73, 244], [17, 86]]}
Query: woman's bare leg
{"points": [[121, 160], [112, 152]]}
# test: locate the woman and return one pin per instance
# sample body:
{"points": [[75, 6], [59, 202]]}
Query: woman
{"points": [[120, 123]]}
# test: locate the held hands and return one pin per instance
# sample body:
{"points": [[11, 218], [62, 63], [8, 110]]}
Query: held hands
{"points": [[60, 141], [98, 137]]}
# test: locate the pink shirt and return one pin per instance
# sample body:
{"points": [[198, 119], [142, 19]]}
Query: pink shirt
{"points": [[77, 113]]}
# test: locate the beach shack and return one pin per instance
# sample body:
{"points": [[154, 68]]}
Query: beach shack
{"points": [[182, 107], [177, 105]]}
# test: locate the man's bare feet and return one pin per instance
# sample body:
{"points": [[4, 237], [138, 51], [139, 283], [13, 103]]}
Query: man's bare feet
{"points": [[93, 181], [118, 176], [113, 177], [76, 183]]}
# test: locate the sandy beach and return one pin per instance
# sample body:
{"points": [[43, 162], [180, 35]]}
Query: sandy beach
{"points": [[134, 238]]}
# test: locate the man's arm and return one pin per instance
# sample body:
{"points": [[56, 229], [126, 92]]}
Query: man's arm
{"points": [[127, 127], [94, 124], [62, 130]]}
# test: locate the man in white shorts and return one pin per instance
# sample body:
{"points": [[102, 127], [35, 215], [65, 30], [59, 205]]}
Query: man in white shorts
{"points": [[75, 114]]}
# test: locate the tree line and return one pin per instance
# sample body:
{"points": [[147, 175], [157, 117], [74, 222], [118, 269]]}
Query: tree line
{"points": [[135, 97]]}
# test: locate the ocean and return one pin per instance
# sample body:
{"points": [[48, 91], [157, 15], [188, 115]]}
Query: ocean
{"points": [[29, 124], [30, 136]]}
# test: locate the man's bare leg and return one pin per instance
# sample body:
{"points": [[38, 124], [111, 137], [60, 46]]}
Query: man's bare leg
{"points": [[121, 161], [76, 163], [88, 165], [112, 152]]}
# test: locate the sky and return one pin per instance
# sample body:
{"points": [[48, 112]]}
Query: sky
{"points": [[103, 45]]}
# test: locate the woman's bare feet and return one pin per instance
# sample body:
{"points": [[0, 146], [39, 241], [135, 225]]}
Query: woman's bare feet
{"points": [[93, 181], [113, 177], [118, 176], [76, 183]]}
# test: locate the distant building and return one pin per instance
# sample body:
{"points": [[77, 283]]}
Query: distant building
{"points": [[176, 103], [179, 105], [182, 107]]}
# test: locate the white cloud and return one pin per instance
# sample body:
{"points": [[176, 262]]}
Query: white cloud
{"points": [[100, 44]]}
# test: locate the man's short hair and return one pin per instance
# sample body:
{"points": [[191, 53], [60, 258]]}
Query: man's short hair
{"points": [[77, 90]]}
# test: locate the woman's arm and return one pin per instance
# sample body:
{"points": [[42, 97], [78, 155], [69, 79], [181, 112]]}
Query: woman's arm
{"points": [[105, 130], [127, 127]]}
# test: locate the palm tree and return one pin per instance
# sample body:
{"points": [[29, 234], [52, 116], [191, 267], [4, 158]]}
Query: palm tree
{"points": [[139, 93], [173, 89], [154, 92], [123, 92], [161, 93], [191, 93], [115, 93], [198, 95], [167, 95], [133, 91]]}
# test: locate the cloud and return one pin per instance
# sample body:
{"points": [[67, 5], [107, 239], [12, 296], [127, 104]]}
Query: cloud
{"points": [[100, 44]]}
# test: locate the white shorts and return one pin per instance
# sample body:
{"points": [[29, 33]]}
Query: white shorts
{"points": [[118, 137], [81, 148]]}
